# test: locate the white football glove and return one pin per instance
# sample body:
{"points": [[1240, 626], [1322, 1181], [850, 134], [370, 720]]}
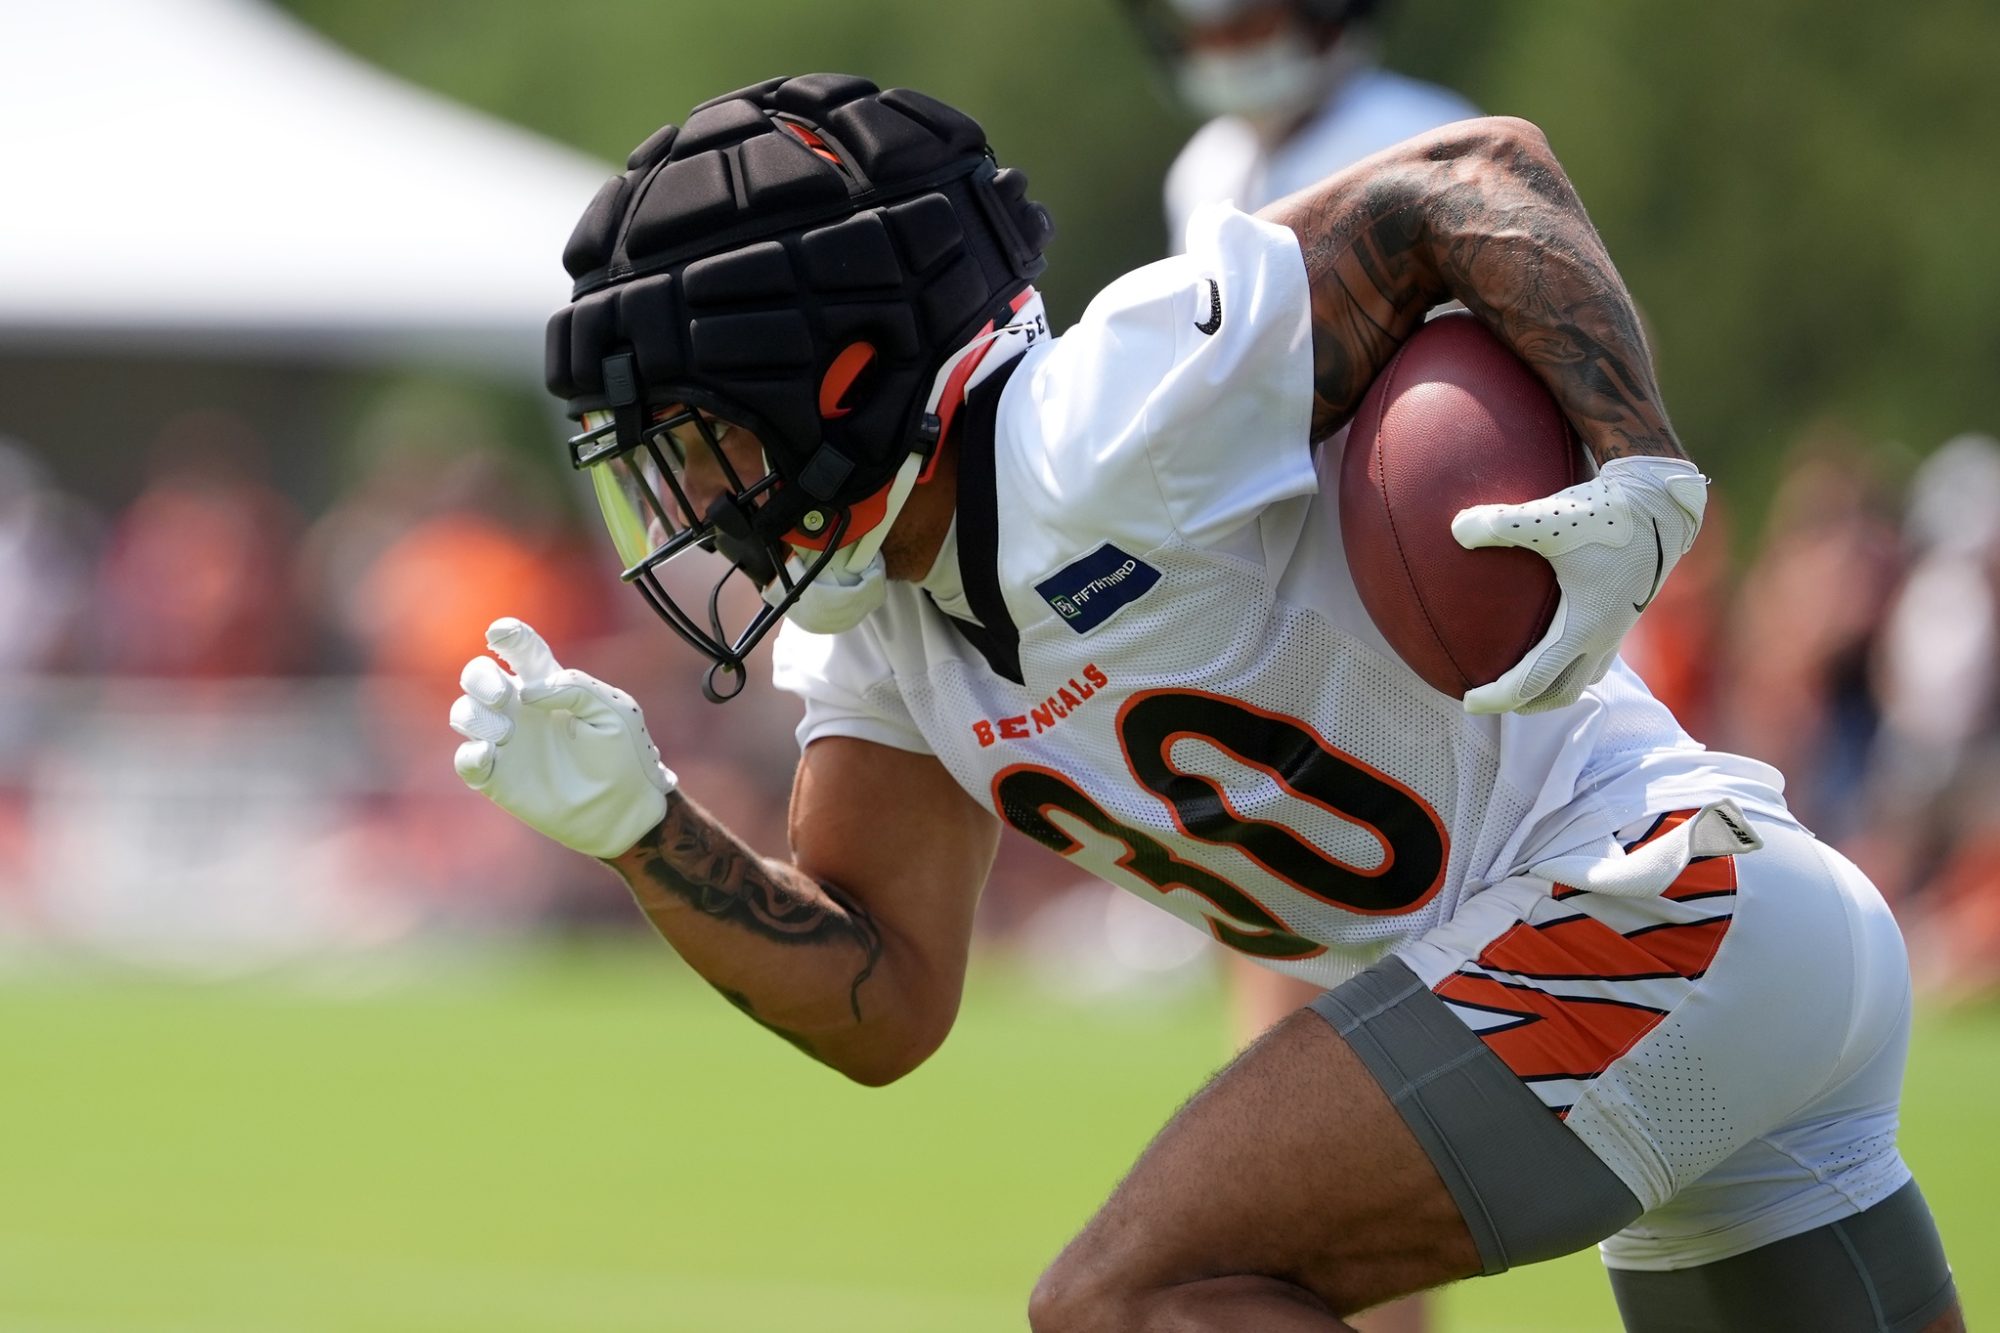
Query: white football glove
{"points": [[559, 750], [1612, 540]]}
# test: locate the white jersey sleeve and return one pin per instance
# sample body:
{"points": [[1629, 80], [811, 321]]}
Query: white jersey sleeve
{"points": [[1189, 380], [847, 687]]}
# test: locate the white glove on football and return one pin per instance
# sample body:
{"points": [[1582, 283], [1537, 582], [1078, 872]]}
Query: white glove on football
{"points": [[1612, 541], [560, 751]]}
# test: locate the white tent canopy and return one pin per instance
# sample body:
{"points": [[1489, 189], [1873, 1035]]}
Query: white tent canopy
{"points": [[211, 174]]}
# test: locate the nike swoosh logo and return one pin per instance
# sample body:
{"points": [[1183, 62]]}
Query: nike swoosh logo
{"points": [[1214, 309], [1659, 564]]}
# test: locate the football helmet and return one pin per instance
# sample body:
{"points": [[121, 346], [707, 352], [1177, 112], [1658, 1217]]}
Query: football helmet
{"points": [[770, 295]]}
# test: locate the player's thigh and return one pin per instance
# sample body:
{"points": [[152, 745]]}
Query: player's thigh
{"points": [[1367, 1148], [1259, 999], [1292, 1162]]}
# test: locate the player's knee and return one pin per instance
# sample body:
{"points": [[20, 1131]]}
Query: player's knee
{"points": [[1076, 1296], [1052, 1303]]}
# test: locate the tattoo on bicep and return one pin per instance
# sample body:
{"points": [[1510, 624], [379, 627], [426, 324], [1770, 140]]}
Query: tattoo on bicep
{"points": [[1484, 220], [689, 856], [1359, 259]]}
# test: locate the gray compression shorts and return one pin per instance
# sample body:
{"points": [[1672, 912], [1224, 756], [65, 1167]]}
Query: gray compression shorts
{"points": [[1880, 1271], [1529, 1189]]}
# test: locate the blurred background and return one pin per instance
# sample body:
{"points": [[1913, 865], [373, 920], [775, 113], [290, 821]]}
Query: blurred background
{"points": [[296, 1033]]}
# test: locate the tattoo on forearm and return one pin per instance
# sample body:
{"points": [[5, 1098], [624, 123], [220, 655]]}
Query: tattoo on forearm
{"points": [[692, 858], [1486, 217]]}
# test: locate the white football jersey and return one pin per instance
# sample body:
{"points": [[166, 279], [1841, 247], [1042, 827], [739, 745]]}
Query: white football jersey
{"points": [[1143, 647]]}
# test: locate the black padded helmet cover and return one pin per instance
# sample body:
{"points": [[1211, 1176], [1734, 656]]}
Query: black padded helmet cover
{"points": [[783, 224]]}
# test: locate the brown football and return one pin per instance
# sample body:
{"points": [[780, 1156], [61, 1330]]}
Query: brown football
{"points": [[1454, 419]]}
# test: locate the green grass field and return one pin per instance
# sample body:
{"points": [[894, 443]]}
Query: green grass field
{"points": [[587, 1139]]}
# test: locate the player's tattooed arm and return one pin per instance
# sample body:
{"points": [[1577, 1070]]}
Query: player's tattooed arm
{"points": [[792, 952], [1480, 212], [852, 948]]}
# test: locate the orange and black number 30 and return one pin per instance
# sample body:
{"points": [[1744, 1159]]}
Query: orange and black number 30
{"points": [[1294, 756]]}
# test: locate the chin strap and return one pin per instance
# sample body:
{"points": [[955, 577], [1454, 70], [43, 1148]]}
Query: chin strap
{"points": [[855, 579]]}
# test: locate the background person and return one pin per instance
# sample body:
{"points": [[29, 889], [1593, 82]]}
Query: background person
{"points": [[1293, 90]]}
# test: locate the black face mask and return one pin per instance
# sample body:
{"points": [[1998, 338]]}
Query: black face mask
{"points": [[648, 492]]}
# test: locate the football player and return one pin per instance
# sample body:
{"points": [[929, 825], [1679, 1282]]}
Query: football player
{"points": [[1591, 982]]}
